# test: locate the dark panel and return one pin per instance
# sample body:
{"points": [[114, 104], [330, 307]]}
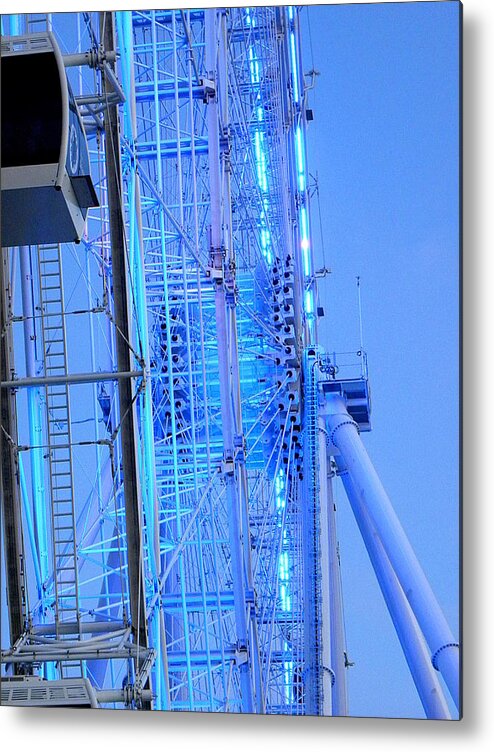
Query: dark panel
{"points": [[31, 110]]}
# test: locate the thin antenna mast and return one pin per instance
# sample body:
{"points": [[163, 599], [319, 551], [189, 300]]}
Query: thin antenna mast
{"points": [[359, 297]]}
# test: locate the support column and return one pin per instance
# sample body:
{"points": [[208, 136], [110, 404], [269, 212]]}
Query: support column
{"points": [[339, 699], [128, 420], [137, 274], [216, 64], [444, 648], [408, 631]]}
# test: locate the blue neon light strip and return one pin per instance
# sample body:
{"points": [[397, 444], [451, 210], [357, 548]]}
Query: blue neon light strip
{"points": [[293, 54], [30, 528], [260, 149], [309, 301], [301, 175], [283, 561], [299, 155]]}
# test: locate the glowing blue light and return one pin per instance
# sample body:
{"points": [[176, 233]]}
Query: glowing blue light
{"points": [[299, 156], [288, 674], [286, 601], [299, 149], [293, 54], [283, 566], [257, 145], [283, 597], [279, 489], [260, 161], [254, 67], [308, 302], [290, 12], [265, 236]]}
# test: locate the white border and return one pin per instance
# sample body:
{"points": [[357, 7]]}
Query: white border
{"points": [[75, 730]]}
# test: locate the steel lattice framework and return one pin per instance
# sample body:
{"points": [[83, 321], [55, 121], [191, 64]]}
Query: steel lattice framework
{"points": [[212, 193]]}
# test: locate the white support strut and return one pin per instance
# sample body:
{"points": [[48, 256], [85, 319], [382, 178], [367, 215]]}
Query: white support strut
{"points": [[443, 647]]}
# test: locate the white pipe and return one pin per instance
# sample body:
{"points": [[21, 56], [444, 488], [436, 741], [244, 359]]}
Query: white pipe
{"points": [[444, 648], [405, 623], [338, 645]]}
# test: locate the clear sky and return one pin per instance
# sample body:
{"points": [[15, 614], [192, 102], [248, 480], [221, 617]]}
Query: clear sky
{"points": [[385, 145]]}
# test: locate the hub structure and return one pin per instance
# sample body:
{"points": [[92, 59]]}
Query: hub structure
{"points": [[171, 427]]}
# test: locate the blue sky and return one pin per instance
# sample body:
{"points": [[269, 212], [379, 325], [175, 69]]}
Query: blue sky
{"points": [[384, 143]]}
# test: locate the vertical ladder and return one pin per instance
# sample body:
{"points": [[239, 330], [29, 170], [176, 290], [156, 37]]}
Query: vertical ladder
{"points": [[59, 447]]}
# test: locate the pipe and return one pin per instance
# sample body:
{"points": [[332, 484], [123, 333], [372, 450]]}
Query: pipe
{"points": [[73, 378], [444, 648], [325, 591], [339, 701], [406, 626]]}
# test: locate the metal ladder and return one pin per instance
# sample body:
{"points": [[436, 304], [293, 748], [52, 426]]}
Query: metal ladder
{"points": [[59, 448]]}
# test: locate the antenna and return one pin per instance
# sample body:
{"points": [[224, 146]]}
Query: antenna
{"points": [[359, 298]]}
